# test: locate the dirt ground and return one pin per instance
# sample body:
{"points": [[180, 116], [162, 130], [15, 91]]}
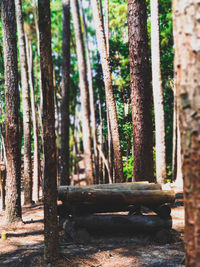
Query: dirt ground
{"points": [[24, 245]]}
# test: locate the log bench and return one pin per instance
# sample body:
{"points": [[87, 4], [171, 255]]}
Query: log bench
{"points": [[82, 205]]}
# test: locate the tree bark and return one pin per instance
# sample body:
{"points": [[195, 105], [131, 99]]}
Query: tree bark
{"points": [[25, 105], [119, 196], [13, 141], [110, 101], [36, 152], [161, 174], [187, 65], [48, 121], [62, 190], [84, 92], [92, 102], [141, 94], [65, 91]]}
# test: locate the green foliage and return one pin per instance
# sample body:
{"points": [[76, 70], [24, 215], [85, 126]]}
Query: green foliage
{"points": [[128, 168]]}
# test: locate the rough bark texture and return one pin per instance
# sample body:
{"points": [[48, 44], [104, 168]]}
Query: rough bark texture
{"points": [[119, 196], [84, 92], [110, 101], [158, 95], [65, 89], [25, 105], [13, 142], [187, 69], [48, 121], [141, 94]]}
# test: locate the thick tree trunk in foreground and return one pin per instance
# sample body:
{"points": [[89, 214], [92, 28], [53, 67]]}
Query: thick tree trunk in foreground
{"points": [[121, 196], [141, 94], [110, 101], [84, 92], [65, 89], [118, 223], [161, 174], [187, 68], [25, 104], [13, 142], [48, 120]]}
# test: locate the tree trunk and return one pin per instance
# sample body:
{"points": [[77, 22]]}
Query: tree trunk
{"points": [[175, 138], [13, 141], [161, 174], [110, 102], [48, 121], [141, 94], [92, 102], [187, 65], [36, 153], [25, 105], [65, 90], [84, 92], [107, 26]]}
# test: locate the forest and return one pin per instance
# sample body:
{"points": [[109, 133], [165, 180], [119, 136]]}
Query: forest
{"points": [[99, 114]]}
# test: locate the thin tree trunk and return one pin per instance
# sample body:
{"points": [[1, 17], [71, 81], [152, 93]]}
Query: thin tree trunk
{"points": [[65, 90], [174, 153], [36, 157], [12, 100], [84, 92], [107, 26], [38, 47], [25, 104], [48, 121], [141, 94], [161, 174], [187, 81], [110, 102], [92, 103]]}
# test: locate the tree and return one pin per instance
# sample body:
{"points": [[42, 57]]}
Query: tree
{"points": [[110, 101], [48, 121], [13, 142], [141, 94], [84, 92], [187, 66], [25, 105], [36, 152], [65, 89], [92, 100], [158, 95]]}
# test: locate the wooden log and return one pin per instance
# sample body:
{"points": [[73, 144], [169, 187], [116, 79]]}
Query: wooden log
{"points": [[118, 223], [115, 197], [63, 190], [83, 209]]}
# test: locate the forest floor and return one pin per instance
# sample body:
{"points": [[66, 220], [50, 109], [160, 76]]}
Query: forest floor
{"points": [[24, 245]]}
